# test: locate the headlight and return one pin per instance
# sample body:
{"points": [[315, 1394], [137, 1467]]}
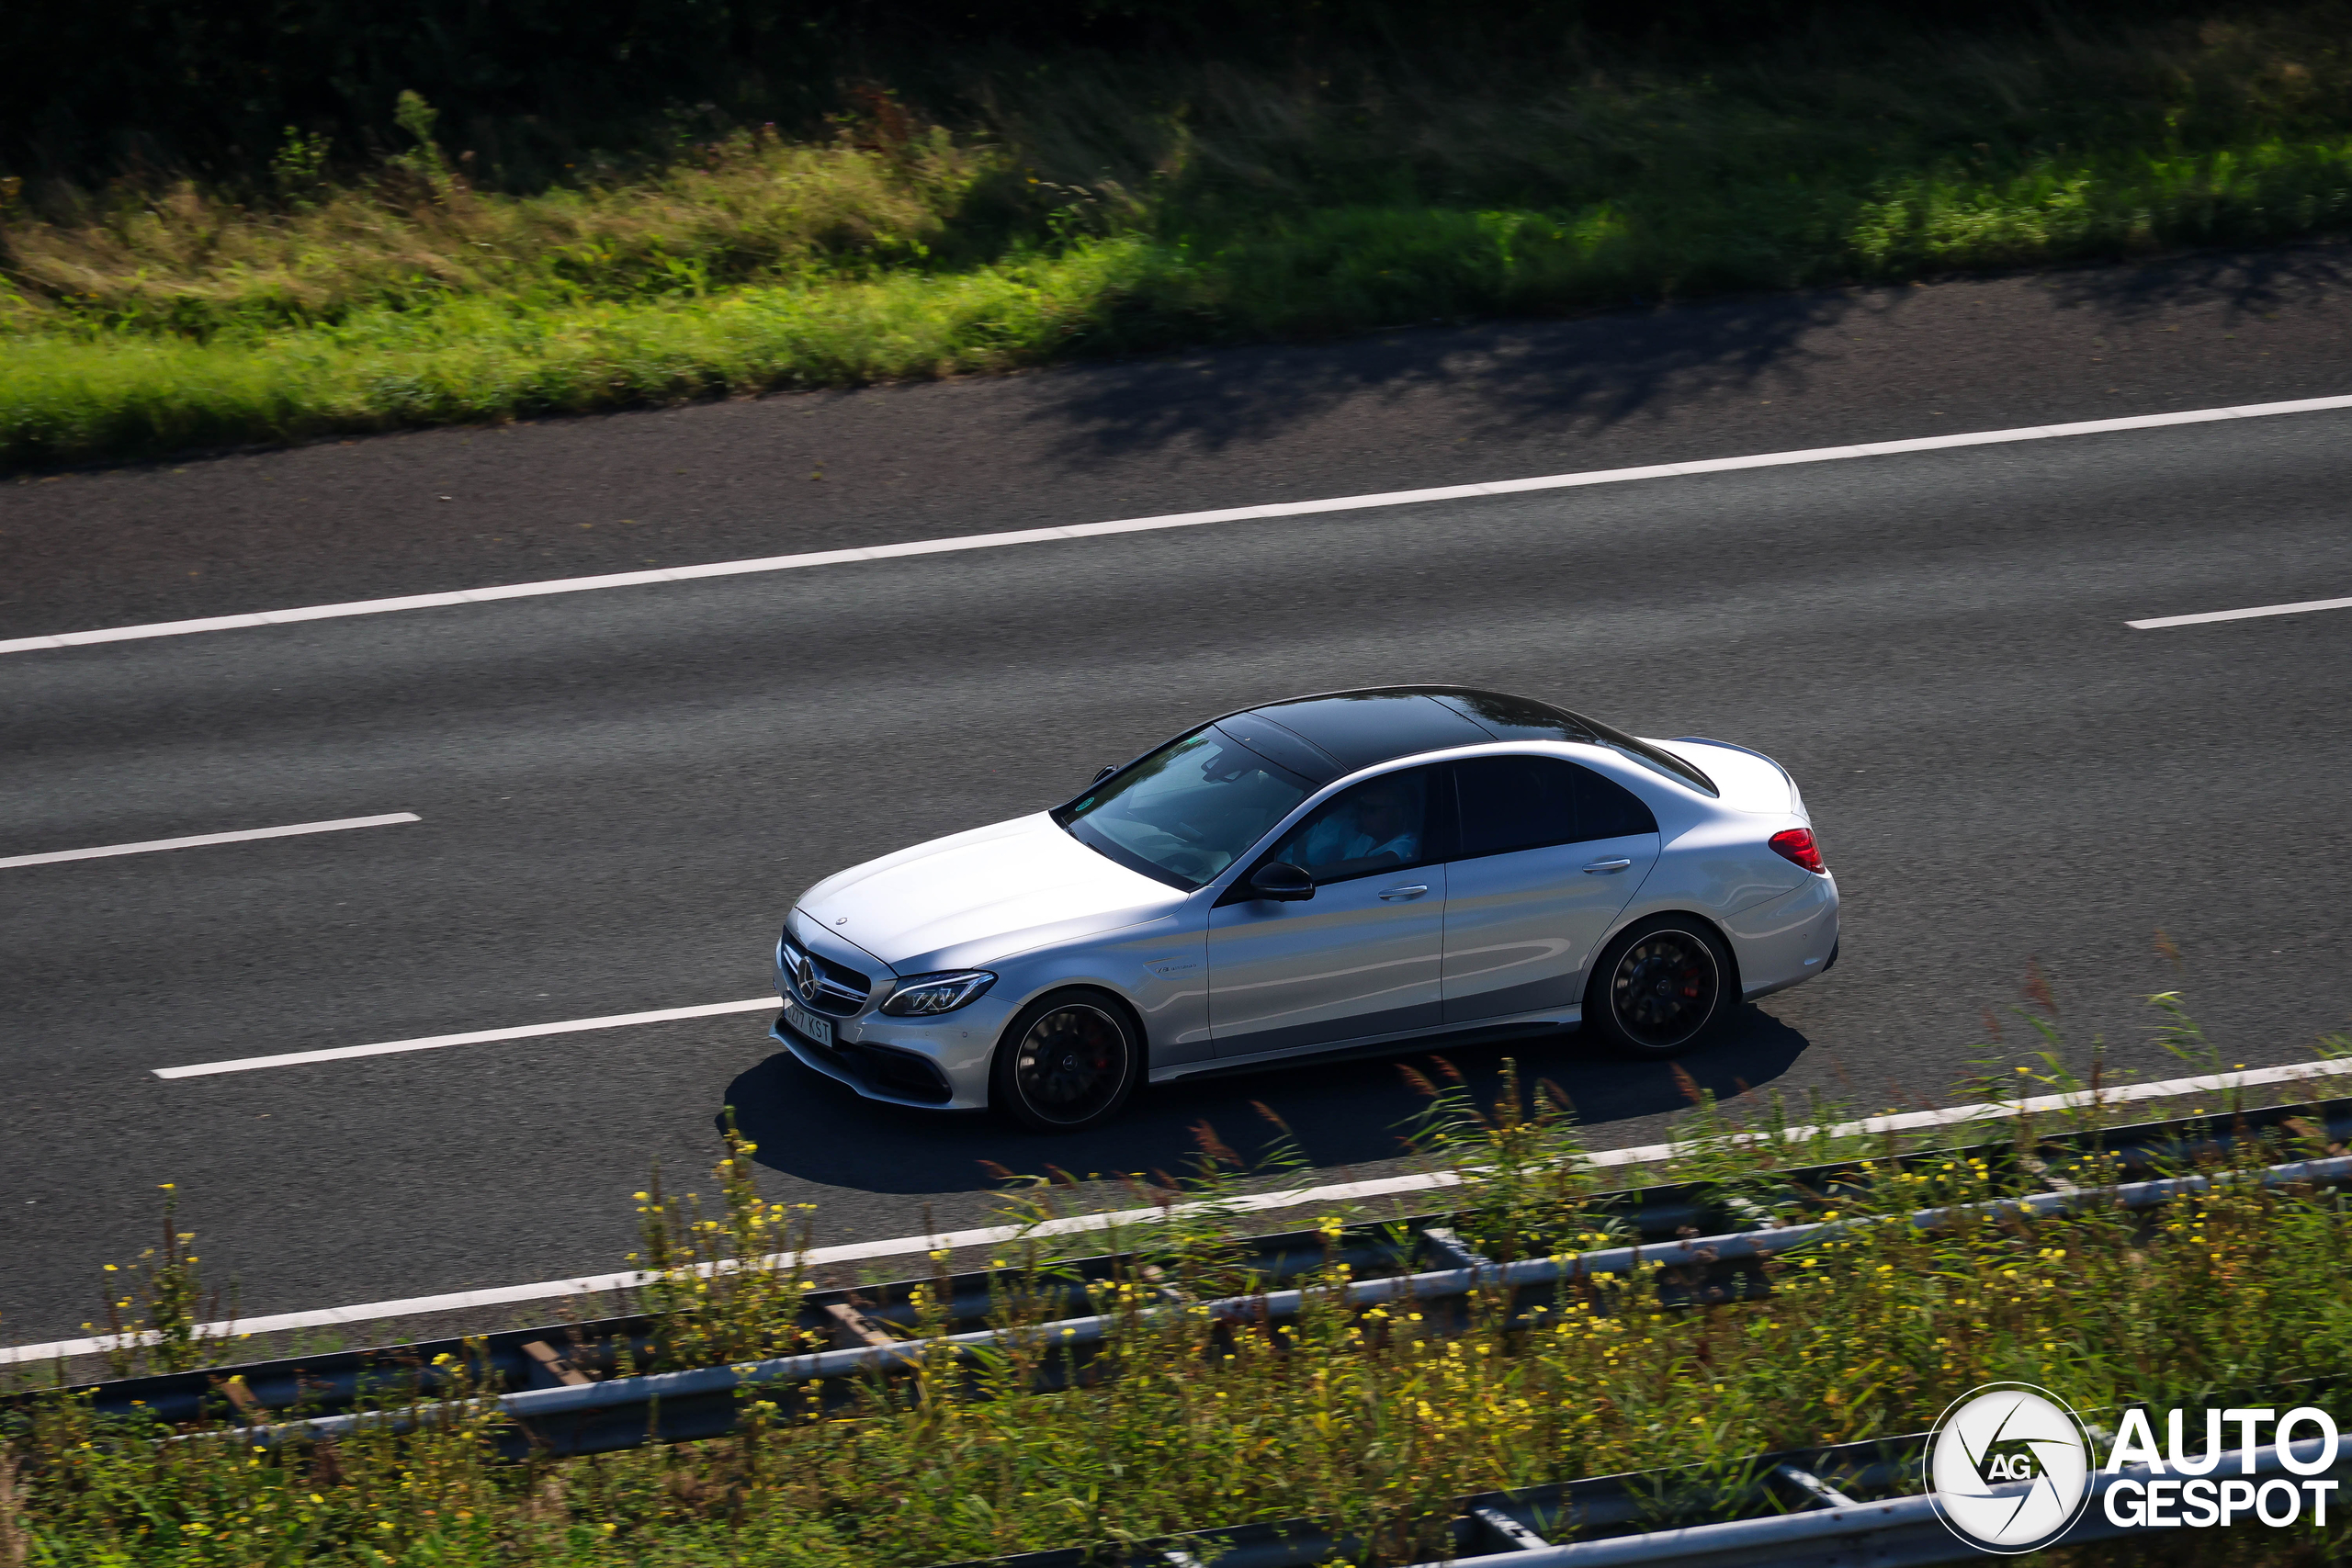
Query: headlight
{"points": [[928, 994]]}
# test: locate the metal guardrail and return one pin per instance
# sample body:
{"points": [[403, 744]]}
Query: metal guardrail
{"points": [[568, 1358], [1507, 1524], [623, 1413], [1883, 1534], [1790, 1517]]}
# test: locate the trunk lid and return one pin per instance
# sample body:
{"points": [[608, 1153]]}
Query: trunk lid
{"points": [[1749, 779]]}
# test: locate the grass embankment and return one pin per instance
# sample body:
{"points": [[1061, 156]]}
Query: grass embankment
{"points": [[1368, 1420], [1097, 205]]}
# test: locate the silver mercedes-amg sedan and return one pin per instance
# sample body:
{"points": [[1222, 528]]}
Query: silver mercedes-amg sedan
{"points": [[1354, 872]]}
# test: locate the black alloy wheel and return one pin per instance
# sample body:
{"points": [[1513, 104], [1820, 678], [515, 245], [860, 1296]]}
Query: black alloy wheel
{"points": [[1068, 1062], [1659, 987]]}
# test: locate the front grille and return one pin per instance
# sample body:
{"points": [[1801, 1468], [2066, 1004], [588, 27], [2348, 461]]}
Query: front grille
{"points": [[839, 990], [823, 985]]}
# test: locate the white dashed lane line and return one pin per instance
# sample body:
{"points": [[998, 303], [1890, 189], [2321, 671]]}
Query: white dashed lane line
{"points": [[2304, 608], [196, 840], [475, 1037]]}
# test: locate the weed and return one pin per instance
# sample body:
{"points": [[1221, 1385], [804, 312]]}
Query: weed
{"points": [[156, 1308]]}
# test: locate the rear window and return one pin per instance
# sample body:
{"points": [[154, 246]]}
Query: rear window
{"points": [[1525, 718], [1655, 758]]}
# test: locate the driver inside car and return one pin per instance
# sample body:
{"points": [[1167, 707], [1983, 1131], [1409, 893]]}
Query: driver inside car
{"points": [[1374, 825]]}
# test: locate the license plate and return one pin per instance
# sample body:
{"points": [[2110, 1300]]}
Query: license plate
{"points": [[817, 1029]]}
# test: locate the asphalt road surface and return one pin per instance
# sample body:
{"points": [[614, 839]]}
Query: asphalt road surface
{"points": [[621, 792]]}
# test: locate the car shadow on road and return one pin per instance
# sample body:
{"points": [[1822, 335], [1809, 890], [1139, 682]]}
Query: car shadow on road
{"points": [[1343, 1113]]}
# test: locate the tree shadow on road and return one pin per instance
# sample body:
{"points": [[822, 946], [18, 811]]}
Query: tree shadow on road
{"points": [[2247, 282], [1563, 377], [1344, 1113], [1580, 377]]}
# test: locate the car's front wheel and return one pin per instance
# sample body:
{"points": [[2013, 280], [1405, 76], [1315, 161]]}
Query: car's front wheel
{"points": [[1068, 1062], [1659, 987]]}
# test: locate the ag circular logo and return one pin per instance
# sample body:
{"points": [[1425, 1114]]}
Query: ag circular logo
{"points": [[2009, 1467]]}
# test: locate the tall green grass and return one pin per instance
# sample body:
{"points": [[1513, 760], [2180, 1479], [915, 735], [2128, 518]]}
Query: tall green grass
{"points": [[1083, 206]]}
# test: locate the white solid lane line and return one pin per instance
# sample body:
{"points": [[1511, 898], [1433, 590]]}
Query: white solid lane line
{"points": [[1341, 1192], [2308, 605], [1173, 520], [478, 1036], [190, 842]]}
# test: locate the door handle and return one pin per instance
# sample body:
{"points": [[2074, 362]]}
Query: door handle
{"points": [[1604, 867], [1397, 894]]}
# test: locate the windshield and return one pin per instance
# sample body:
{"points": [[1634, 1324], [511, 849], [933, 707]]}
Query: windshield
{"points": [[1187, 811]]}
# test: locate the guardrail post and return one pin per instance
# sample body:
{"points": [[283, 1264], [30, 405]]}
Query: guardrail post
{"points": [[1818, 1492], [1514, 1536]]}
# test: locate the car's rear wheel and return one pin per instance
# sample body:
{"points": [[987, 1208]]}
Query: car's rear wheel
{"points": [[1659, 987], [1067, 1062]]}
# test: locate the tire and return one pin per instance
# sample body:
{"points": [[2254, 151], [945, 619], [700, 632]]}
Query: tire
{"points": [[1067, 1062], [1660, 987]]}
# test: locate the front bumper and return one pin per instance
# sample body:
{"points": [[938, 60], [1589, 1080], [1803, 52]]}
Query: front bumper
{"points": [[877, 1072], [930, 1063]]}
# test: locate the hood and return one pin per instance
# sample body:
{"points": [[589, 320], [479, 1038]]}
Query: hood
{"points": [[1749, 779], [977, 897]]}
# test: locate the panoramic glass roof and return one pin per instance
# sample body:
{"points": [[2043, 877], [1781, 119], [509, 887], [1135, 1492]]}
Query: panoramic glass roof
{"points": [[1321, 737], [1356, 729]]}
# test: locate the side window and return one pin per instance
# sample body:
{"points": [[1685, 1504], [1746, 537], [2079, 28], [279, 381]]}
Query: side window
{"points": [[1383, 824], [1526, 802], [1515, 802], [1607, 809]]}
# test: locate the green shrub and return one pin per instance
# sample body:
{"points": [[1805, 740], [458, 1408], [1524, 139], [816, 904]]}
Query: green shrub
{"points": [[1123, 203]]}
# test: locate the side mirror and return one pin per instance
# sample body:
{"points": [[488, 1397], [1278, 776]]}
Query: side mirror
{"points": [[1105, 773], [1282, 881]]}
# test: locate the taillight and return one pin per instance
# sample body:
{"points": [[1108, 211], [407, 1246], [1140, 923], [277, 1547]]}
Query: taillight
{"points": [[1797, 845]]}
